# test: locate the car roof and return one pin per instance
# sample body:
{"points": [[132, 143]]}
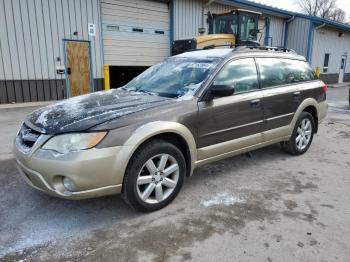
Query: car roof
{"points": [[209, 53], [242, 51]]}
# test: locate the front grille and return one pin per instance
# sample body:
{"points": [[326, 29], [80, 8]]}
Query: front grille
{"points": [[26, 138]]}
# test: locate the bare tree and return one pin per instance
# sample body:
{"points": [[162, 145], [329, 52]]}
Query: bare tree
{"points": [[338, 15], [322, 8]]}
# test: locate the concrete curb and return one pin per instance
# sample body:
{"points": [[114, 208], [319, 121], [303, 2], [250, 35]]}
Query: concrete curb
{"points": [[339, 85]]}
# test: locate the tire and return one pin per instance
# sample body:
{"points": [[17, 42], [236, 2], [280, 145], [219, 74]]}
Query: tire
{"points": [[148, 187], [302, 135]]}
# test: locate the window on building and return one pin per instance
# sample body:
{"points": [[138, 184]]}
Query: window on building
{"points": [[277, 72], [325, 63], [239, 73]]}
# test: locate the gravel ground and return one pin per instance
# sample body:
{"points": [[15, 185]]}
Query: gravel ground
{"points": [[267, 206]]}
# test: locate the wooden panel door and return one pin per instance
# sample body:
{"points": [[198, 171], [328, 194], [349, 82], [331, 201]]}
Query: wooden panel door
{"points": [[78, 67]]}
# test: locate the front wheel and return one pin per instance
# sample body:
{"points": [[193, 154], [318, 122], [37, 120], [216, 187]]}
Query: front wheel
{"points": [[154, 176], [302, 135]]}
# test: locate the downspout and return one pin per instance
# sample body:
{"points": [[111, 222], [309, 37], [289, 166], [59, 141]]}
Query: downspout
{"points": [[171, 29], [267, 31], [310, 41], [286, 30], [320, 26]]}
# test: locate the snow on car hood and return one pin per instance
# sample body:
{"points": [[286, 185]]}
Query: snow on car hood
{"points": [[83, 112]]}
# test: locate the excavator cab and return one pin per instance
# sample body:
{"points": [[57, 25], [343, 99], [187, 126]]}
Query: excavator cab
{"points": [[231, 29]]}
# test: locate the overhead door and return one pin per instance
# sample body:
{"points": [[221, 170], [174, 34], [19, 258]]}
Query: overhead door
{"points": [[135, 32]]}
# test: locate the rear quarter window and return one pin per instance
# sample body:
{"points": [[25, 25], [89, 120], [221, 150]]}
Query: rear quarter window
{"points": [[282, 71]]}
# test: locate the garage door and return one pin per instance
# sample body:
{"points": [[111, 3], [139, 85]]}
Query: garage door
{"points": [[135, 32]]}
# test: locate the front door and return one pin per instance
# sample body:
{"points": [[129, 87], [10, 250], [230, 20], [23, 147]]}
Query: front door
{"points": [[342, 68], [224, 120], [78, 68]]}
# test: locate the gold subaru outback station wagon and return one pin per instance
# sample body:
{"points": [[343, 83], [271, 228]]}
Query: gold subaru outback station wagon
{"points": [[143, 139]]}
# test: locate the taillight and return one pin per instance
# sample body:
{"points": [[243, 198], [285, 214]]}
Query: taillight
{"points": [[324, 87]]}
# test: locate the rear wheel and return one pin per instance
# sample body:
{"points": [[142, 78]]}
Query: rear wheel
{"points": [[154, 176], [302, 135]]}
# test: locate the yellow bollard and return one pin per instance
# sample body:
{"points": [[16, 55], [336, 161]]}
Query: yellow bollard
{"points": [[318, 71], [107, 84]]}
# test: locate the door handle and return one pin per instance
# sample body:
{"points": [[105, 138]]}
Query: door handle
{"points": [[296, 94], [255, 102], [68, 71]]}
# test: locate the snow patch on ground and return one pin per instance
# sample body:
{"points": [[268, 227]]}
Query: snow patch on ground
{"points": [[225, 198]]}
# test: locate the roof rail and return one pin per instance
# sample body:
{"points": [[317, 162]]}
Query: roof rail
{"points": [[264, 48]]}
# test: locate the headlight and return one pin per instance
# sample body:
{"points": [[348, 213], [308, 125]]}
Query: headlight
{"points": [[73, 142]]}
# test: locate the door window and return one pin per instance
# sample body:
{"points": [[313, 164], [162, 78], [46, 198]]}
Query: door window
{"points": [[277, 72], [241, 74]]}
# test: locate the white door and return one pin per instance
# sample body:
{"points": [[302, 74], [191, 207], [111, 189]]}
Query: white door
{"points": [[135, 32], [342, 68]]}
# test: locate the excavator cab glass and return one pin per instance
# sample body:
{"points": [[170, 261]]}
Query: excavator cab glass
{"points": [[244, 25], [225, 24]]}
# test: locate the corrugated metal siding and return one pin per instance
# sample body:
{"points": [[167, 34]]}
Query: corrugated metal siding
{"points": [[328, 41], [31, 34], [297, 36], [125, 47], [276, 31]]}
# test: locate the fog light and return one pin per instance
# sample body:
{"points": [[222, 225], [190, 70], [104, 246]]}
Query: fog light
{"points": [[68, 184]]}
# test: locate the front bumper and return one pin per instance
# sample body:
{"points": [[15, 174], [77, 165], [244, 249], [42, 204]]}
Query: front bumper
{"points": [[95, 172]]}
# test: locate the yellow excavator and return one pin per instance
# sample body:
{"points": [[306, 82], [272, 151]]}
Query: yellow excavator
{"points": [[231, 29]]}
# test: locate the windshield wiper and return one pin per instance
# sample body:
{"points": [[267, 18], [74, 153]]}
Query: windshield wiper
{"points": [[147, 92]]}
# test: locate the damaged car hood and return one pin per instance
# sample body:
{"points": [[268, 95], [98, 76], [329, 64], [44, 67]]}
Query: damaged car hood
{"points": [[83, 112]]}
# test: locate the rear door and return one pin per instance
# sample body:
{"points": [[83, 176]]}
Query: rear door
{"points": [[283, 86], [224, 119]]}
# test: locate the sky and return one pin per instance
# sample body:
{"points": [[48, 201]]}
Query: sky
{"points": [[292, 5]]}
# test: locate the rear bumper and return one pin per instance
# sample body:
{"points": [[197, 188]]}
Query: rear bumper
{"points": [[95, 172]]}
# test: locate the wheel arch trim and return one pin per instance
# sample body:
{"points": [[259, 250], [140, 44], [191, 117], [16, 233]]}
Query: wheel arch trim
{"points": [[152, 129]]}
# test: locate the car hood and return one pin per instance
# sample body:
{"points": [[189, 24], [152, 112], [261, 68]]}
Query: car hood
{"points": [[83, 112]]}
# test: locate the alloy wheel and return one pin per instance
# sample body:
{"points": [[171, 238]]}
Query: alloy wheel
{"points": [[304, 134], [157, 178]]}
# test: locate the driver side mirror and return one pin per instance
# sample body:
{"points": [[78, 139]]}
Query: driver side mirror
{"points": [[222, 90], [218, 91]]}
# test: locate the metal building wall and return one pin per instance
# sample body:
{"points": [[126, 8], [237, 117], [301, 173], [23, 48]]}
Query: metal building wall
{"points": [[31, 33], [276, 31], [327, 40], [298, 35]]}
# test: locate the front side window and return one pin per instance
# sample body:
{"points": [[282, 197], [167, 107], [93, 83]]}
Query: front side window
{"points": [[280, 71], [241, 74], [174, 77]]}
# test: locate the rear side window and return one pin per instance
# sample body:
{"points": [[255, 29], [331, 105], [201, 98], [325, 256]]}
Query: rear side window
{"points": [[241, 74], [277, 71]]}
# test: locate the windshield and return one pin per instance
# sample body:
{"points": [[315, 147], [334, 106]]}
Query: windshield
{"points": [[174, 77]]}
